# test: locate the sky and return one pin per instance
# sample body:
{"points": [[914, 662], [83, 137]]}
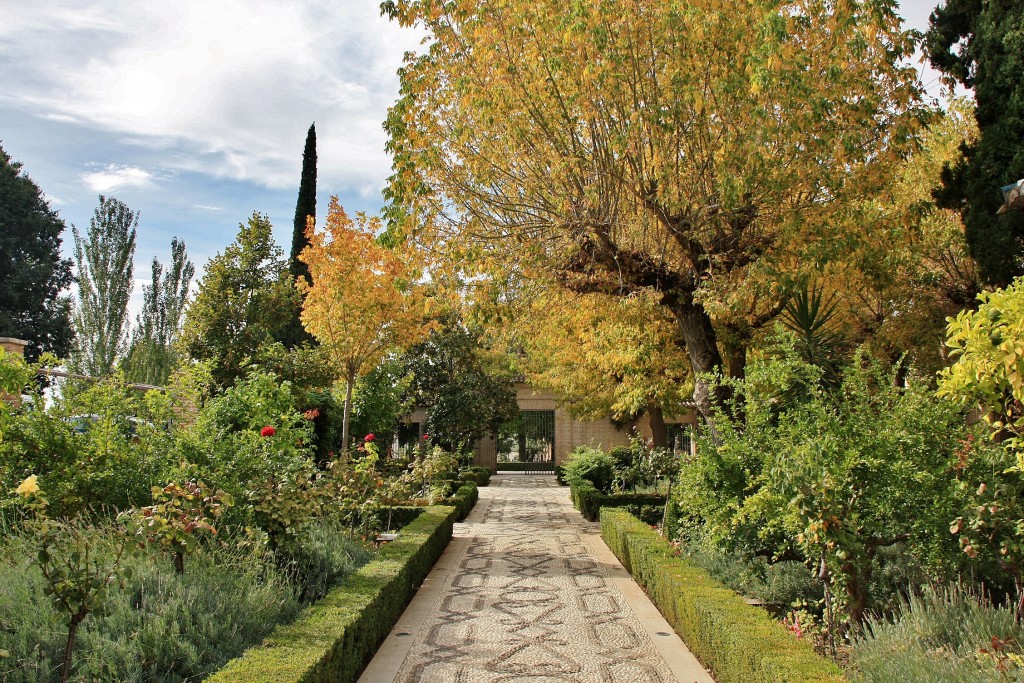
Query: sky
{"points": [[194, 113]]}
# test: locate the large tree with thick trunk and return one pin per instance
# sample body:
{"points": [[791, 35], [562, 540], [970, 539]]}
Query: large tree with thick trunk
{"points": [[696, 149]]}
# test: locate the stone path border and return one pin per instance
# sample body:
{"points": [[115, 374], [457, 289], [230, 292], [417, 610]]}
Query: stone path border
{"points": [[528, 591]]}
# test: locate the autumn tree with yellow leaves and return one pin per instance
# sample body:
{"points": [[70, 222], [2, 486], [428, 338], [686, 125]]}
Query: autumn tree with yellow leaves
{"points": [[361, 300], [605, 356], [692, 149]]}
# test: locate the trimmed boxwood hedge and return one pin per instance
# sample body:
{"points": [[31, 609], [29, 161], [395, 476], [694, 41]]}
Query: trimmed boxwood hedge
{"points": [[463, 500], [478, 474], [589, 501], [738, 643], [525, 466], [334, 639]]}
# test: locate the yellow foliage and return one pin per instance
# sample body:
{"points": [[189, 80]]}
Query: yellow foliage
{"points": [[363, 299]]}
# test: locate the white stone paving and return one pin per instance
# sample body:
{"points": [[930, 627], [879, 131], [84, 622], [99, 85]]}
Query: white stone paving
{"points": [[528, 592]]}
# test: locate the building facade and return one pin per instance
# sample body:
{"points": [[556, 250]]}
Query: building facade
{"points": [[548, 433]]}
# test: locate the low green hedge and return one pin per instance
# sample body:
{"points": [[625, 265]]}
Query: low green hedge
{"points": [[390, 518], [526, 466], [481, 476], [738, 643], [589, 501], [333, 640], [463, 500]]}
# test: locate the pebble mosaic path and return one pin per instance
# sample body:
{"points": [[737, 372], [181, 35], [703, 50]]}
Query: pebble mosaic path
{"points": [[528, 592]]}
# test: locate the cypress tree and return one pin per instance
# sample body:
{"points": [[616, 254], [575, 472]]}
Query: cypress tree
{"points": [[981, 46], [306, 204], [293, 334]]}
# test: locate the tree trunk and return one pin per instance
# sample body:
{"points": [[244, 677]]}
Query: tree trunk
{"points": [[656, 418], [70, 646], [179, 563], [349, 381], [856, 593], [738, 362], [702, 347]]}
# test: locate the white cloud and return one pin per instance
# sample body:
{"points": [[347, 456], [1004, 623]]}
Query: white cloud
{"points": [[226, 88], [115, 177]]}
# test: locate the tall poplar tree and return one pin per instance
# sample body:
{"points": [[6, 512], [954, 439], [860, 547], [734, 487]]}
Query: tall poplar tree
{"points": [[104, 258], [32, 273], [151, 357], [980, 45]]}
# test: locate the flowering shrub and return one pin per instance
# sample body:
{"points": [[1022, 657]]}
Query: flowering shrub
{"points": [[249, 434]]}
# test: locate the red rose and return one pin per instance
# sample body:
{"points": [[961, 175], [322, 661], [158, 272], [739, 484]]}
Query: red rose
{"points": [[268, 431], [369, 437], [426, 436]]}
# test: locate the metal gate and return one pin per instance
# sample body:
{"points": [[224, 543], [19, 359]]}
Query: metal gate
{"points": [[537, 441]]}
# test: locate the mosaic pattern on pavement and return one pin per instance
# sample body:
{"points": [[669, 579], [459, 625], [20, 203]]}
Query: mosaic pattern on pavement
{"points": [[528, 601]]}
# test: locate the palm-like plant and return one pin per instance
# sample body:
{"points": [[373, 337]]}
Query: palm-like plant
{"points": [[820, 342]]}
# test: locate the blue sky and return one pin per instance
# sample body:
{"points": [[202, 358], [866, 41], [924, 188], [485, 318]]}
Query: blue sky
{"points": [[194, 113]]}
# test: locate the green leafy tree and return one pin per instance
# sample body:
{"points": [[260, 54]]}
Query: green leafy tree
{"points": [[104, 258], [465, 400], [381, 399], [980, 45], [243, 302], [32, 273], [151, 356]]}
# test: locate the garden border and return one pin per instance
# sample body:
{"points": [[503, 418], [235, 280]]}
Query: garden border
{"points": [[589, 500], [334, 639], [737, 643]]}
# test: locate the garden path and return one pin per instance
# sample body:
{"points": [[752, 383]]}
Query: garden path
{"points": [[528, 591]]}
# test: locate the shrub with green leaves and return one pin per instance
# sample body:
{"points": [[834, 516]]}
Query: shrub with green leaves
{"points": [[250, 433], [179, 514], [642, 466], [829, 477], [99, 445], [988, 345], [590, 464]]}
